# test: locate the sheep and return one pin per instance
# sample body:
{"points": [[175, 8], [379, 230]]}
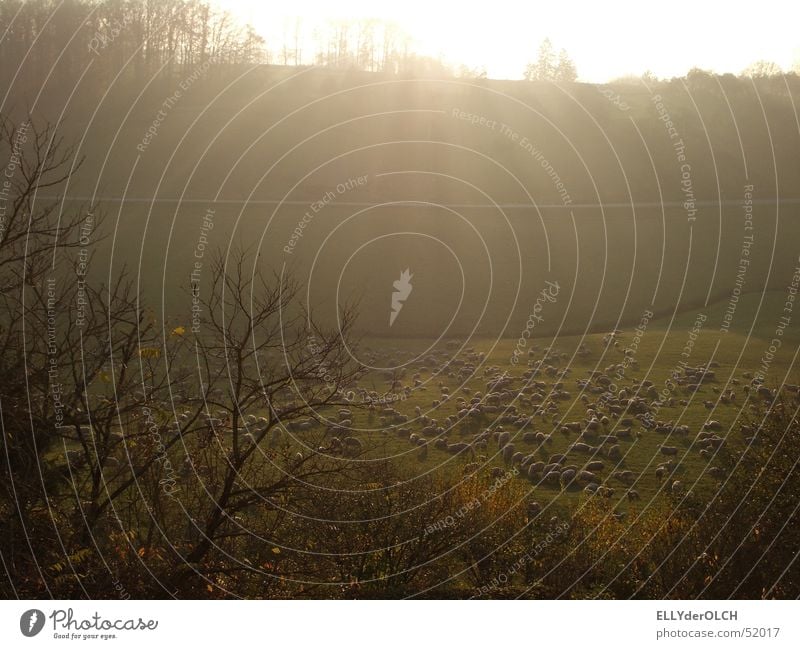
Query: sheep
{"points": [[496, 472], [353, 445], [458, 447], [508, 453], [529, 437], [567, 477], [503, 438], [517, 457], [624, 476], [553, 477], [614, 452], [677, 487], [633, 494], [536, 467], [441, 444], [595, 465], [605, 492], [558, 458], [669, 450]]}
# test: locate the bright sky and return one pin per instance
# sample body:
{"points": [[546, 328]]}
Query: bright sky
{"points": [[605, 38]]}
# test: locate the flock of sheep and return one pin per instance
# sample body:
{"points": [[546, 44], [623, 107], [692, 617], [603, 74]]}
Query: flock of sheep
{"points": [[513, 421], [494, 420]]}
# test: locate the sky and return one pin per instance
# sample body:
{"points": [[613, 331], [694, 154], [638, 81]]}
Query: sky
{"points": [[606, 39]]}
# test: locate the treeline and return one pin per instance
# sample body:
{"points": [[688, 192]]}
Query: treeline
{"points": [[42, 40]]}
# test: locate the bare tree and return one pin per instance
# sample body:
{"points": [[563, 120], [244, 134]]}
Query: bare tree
{"points": [[258, 353]]}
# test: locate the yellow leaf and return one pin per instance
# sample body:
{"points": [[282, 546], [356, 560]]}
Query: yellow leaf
{"points": [[150, 352], [276, 550], [179, 331]]}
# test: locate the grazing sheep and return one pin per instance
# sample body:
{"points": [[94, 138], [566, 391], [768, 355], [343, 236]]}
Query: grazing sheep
{"points": [[595, 465], [458, 447], [553, 478], [441, 444], [517, 457], [529, 437], [677, 487], [353, 445], [614, 452], [633, 494], [567, 477], [605, 492], [508, 453], [558, 458], [669, 450], [503, 438], [580, 447]]}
